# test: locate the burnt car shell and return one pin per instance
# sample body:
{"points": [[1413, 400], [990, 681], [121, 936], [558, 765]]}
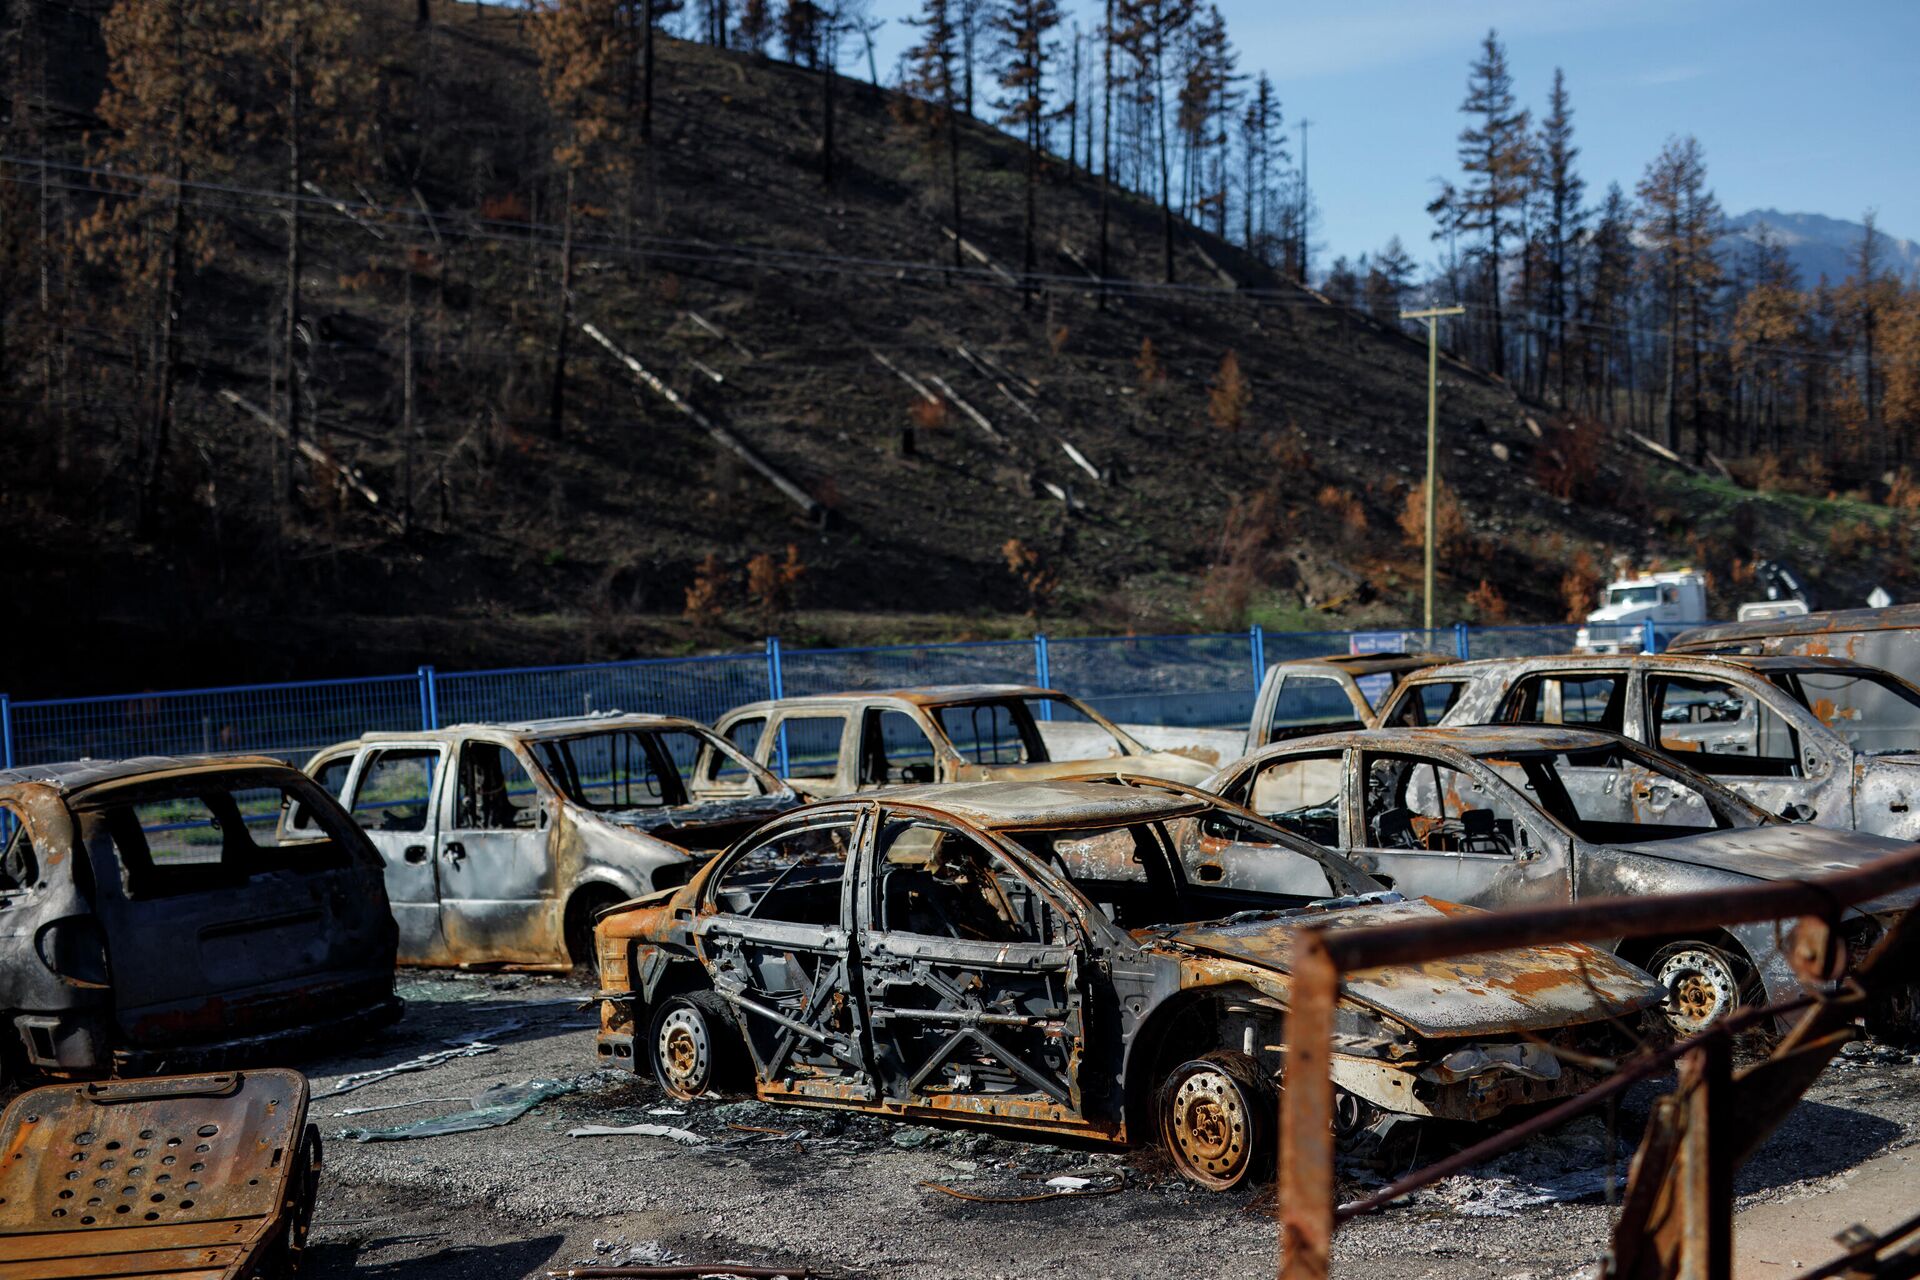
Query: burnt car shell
{"points": [[115, 963], [1457, 1039]]}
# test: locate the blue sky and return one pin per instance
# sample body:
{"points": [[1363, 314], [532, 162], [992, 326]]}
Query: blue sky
{"points": [[1801, 107]]}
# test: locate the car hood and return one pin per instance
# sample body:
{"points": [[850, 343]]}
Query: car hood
{"points": [[1619, 613], [1782, 852], [678, 820], [1527, 988], [1164, 765]]}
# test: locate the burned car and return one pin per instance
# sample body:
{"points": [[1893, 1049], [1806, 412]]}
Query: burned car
{"points": [[1319, 695], [838, 743], [1072, 958], [1820, 740], [502, 841], [1498, 816], [155, 912]]}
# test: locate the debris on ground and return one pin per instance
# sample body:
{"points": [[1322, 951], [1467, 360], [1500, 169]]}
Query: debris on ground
{"points": [[684, 1136], [469, 1048], [491, 1108]]}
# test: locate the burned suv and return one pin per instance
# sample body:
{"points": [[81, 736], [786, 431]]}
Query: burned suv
{"points": [[502, 841], [1068, 958], [155, 913]]}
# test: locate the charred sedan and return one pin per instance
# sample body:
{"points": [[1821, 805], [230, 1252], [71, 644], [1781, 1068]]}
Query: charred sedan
{"points": [[1058, 957], [503, 841], [155, 912], [1508, 815]]}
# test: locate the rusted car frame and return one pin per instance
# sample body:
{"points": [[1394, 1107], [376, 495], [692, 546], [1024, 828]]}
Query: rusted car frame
{"points": [[206, 1177], [1067, 957], [1518, 815], [154, 914], [1319, 695], [1819, 740], [1886, 638], [1676, 1219], [838, 743], [503, 841]]}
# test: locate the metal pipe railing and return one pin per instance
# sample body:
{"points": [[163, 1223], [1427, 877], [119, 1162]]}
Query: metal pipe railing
{"points": [[1320, 958]]}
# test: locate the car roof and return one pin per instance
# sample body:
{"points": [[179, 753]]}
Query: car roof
{"points": [[925, 695], [1040, 803], [1365, 664], [70, 776], [1740, 661], [555, 727], [1472, 739], [1893, 617]]}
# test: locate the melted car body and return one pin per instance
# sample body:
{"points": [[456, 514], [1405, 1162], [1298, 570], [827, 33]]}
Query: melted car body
{"points": [[501, 841], [155, 911], [836, 744], [1512, 815], [1821, 740], [1066, 957]]}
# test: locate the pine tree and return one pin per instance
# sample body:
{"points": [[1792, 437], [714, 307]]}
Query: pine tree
{"points": [[802, 25], [1262, 150], [1680, 221], [1206, 102], [1607, 297], [755, 27], [1389, 279], [1146, 31], [1023, 28], [1496, 154], [1565, 219]]}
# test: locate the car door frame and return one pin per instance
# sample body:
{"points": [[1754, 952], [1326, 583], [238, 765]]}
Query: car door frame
{"points": [[1823, 759], [422, 937], [879, 949], [834, 943], [508, 929], [1549, 851], [767, 751]]}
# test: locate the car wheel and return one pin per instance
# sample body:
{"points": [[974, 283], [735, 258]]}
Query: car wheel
{"points": [[581, 950], [694, 1046], [1702, 981], [1216, 1116]]}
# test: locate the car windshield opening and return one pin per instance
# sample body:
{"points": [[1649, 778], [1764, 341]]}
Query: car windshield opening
{"points": [[622, 769], [1609, 795], [1873, 711]]}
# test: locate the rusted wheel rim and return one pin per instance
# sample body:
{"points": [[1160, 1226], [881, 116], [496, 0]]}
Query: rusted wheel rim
{"points": [[684, 1052], [1209, 1128], [1701, 988]]}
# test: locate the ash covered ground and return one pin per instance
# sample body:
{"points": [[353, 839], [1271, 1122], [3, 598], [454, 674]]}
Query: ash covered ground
{"points": [[848, 1195]]}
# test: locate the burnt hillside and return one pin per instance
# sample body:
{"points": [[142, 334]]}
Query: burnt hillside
{"points": [[772, 300]]}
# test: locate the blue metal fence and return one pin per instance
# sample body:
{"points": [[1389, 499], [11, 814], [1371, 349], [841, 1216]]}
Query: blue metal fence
{"points": [[1188, 681]]}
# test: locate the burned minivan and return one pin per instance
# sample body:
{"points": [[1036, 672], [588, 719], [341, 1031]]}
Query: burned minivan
{"points": [[157, 913], [502, 841], [1070, 958]]}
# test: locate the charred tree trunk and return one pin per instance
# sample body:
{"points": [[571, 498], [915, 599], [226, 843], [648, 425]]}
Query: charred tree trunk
{"points": [[290, 334], [1106, 151], [563, 321]]}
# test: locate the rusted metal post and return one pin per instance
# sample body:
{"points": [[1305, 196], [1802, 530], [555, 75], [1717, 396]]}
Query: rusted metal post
{"points": [[1306, 1114], [1706, 1183]]}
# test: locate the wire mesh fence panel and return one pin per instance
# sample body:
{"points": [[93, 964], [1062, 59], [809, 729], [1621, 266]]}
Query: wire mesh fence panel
{"points": [[1203, 681], [1528, 642], [806, 671], [702, 688], [286, 720]]}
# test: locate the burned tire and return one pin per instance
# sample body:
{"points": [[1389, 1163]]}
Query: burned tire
{"points": [[694, 1046], [582, 907], [1704, 984], [1216, 1120]]}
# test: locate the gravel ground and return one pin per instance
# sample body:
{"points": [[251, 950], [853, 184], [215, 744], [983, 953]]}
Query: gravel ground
{"points": [[846, 1194]]}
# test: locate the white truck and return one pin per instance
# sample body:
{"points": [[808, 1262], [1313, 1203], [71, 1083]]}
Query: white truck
{"points": [[1671, 601]]}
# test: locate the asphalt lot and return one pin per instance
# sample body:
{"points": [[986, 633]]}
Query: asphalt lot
{"points": [[846, 1195]]}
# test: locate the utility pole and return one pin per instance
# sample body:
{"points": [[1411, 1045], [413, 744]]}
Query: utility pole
{"points": [[1306, 203], [1432, 316]]}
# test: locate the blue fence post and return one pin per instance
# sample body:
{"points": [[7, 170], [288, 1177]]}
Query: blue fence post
{"points": [[429, 700], [1462, 641], [1649, 637], [1257, 649], [776, 686], [1042, 672], [6, 731]]}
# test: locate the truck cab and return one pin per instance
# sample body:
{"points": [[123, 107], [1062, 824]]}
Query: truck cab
{"points": [[1667, 600]]}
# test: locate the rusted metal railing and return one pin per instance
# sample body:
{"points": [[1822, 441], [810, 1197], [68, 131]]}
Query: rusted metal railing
{"points": [[1676, 1217]]}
